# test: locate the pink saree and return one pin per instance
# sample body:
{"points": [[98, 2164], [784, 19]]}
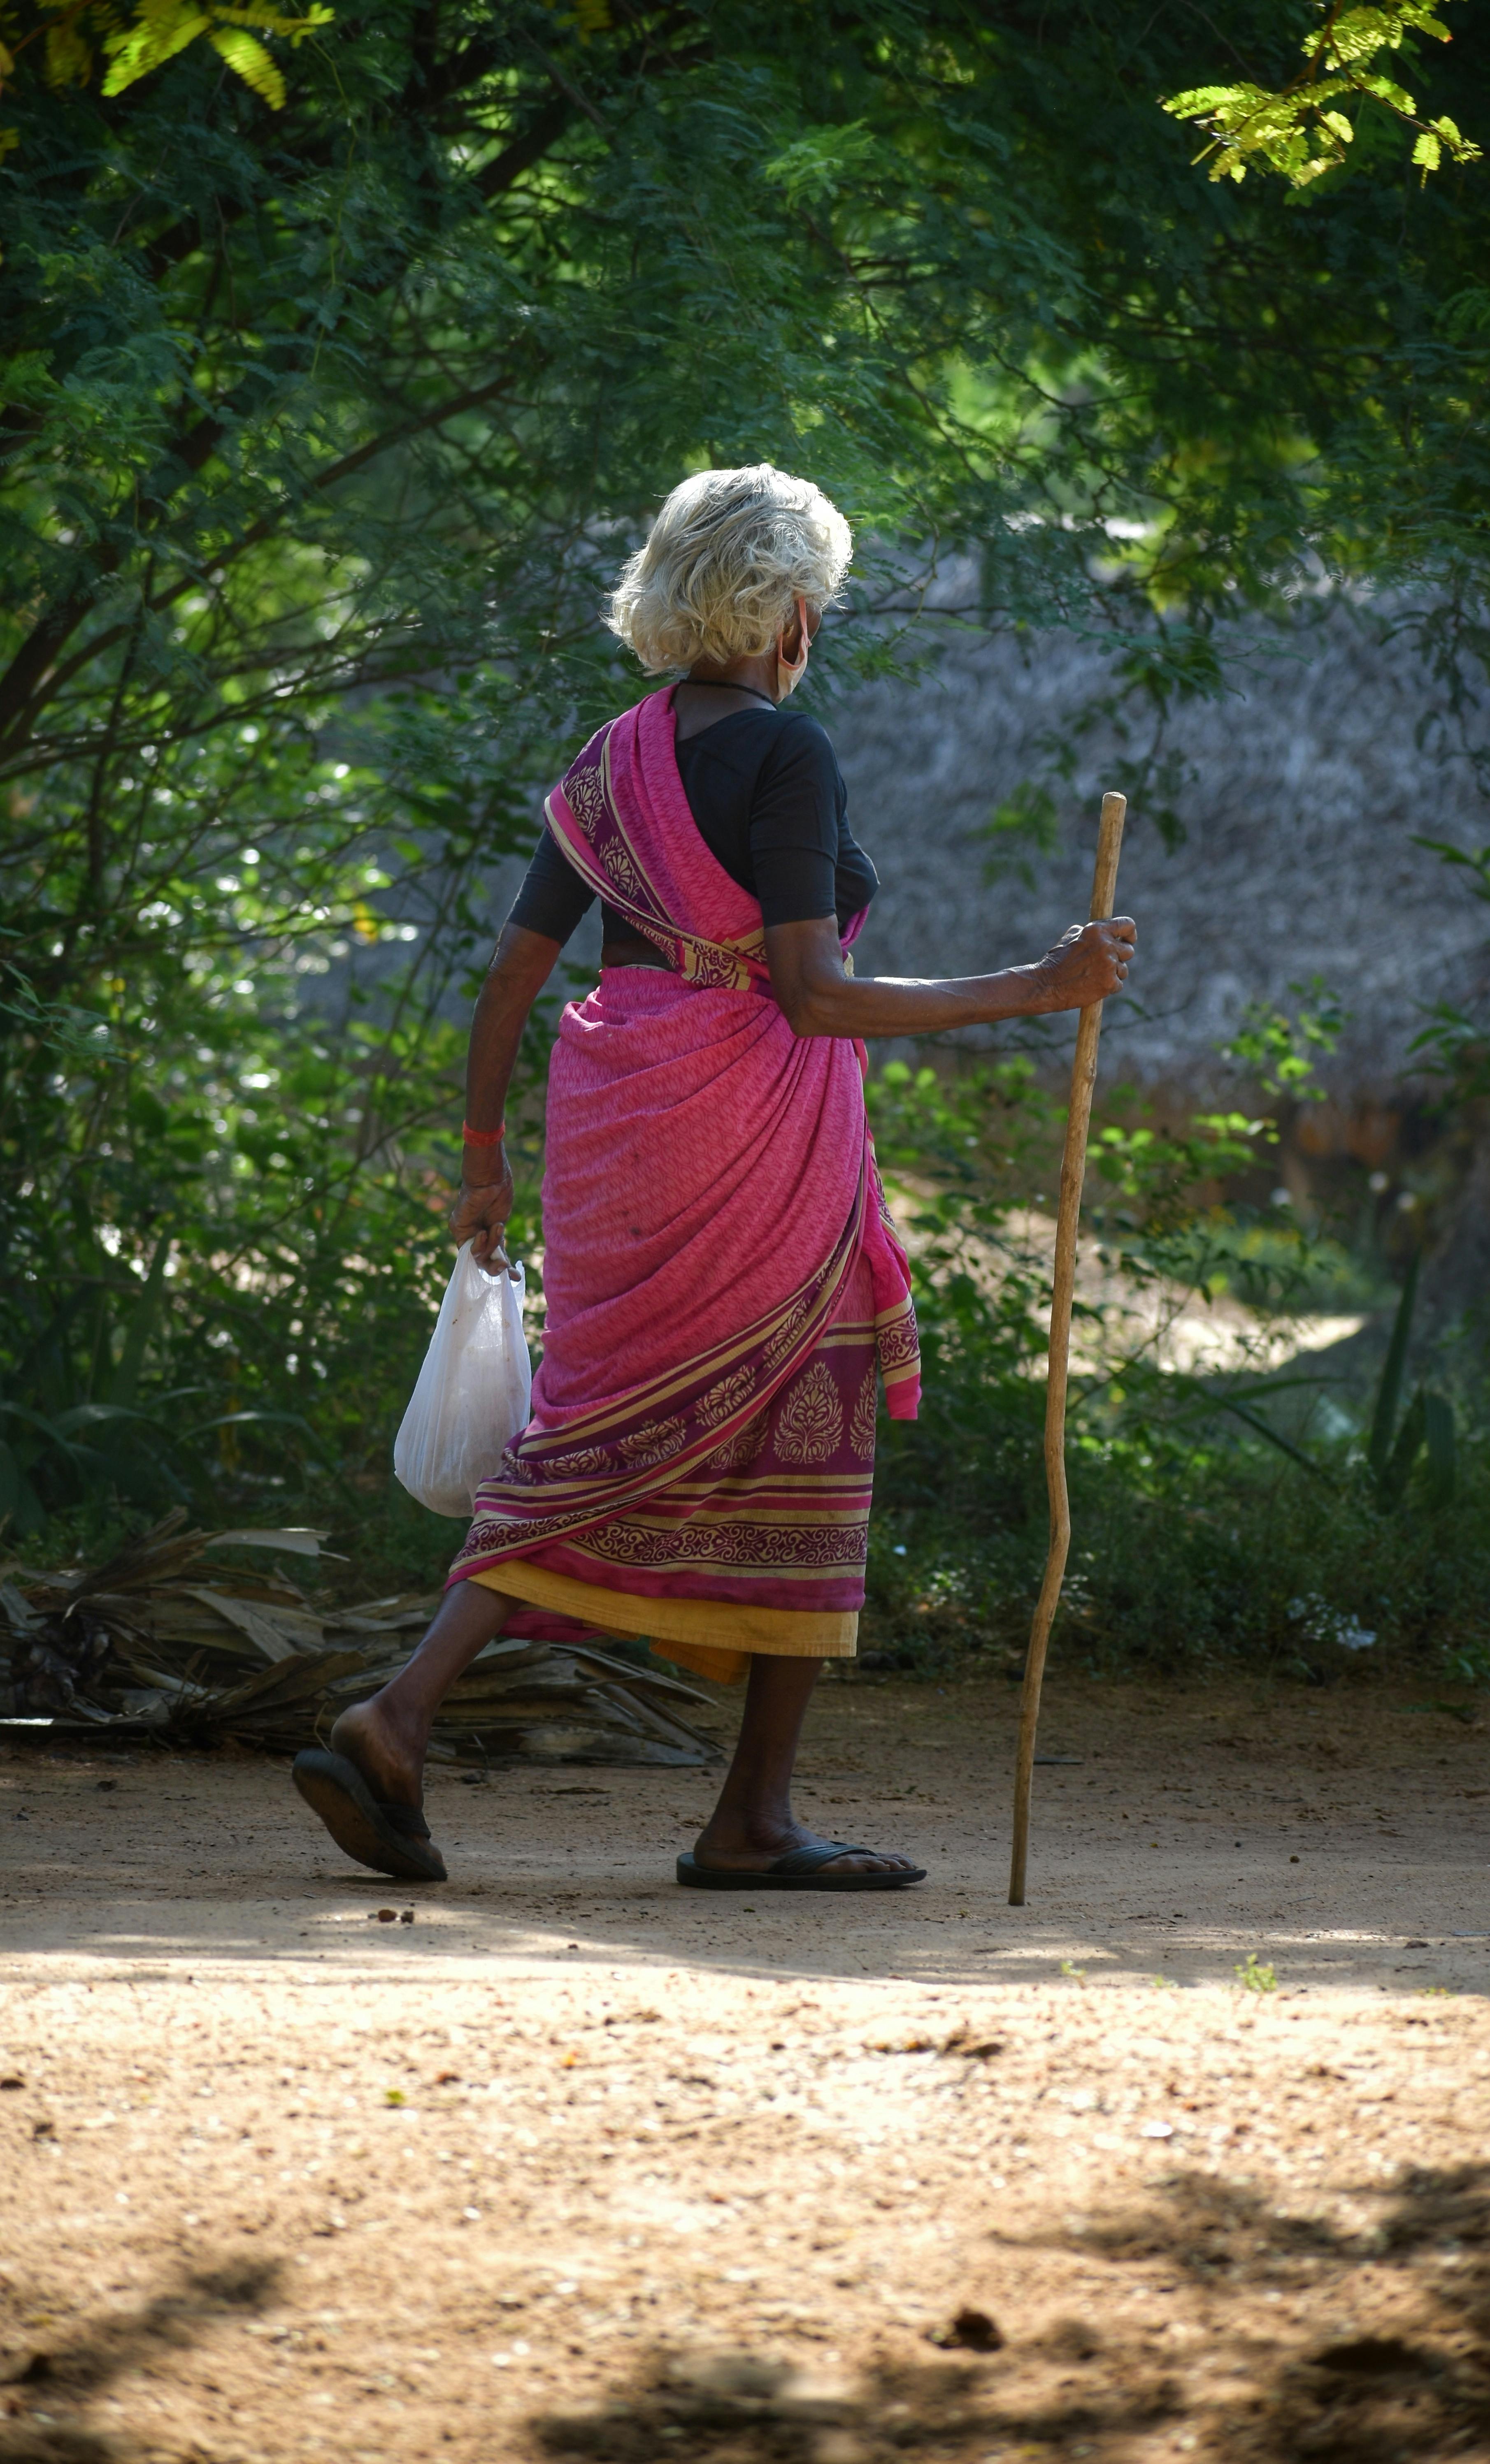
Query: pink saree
{"points": [[723, 1278]]}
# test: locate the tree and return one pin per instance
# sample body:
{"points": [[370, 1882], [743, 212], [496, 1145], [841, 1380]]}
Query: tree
{"points": [[1302, 129], [325, 426], [69, 39]]}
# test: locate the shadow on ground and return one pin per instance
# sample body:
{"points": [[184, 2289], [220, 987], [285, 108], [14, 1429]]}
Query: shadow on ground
{"points": [[1412, 2383], [90, 2361]]}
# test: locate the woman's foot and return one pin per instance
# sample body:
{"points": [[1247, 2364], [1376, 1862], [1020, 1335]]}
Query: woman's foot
{"points": [[368, 1784], [723, 1847], [753, 1825], [388, 1752], [360, 1786], [386, 1737]]}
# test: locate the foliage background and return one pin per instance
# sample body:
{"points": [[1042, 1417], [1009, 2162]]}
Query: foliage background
{"points": [[324, 426]]}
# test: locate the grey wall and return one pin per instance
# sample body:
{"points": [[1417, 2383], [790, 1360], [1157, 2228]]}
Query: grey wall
{"points": [[1298, 860]]}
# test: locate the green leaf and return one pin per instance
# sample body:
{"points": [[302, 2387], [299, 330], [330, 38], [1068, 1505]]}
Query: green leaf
{"points": [[1397, 1467], [21, 1511], [1282, 127], [815, 167], [140, 1326], [252, 63], [162, 28], [1388, 1391], [1255, 1422], [1441, 1448]]}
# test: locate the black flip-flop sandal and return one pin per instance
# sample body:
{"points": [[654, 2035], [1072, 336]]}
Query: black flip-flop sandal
{"points": [[801, 1869], [391, 1838]]}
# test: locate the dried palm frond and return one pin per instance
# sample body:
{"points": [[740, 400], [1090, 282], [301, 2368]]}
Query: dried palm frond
{"points": [[165, 1639]]}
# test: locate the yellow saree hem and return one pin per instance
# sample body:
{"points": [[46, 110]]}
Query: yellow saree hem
{"points": [[716, 1639]]}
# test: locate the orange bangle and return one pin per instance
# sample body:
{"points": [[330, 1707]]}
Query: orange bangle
{"points": [[482, 1137]]}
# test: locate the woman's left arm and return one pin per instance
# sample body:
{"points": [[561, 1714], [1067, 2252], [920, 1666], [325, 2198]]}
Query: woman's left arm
{"points": [[522, 964], [806, 962]]}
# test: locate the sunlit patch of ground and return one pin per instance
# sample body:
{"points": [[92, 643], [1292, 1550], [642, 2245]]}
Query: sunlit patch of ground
{"points": [[1120, 1315]]}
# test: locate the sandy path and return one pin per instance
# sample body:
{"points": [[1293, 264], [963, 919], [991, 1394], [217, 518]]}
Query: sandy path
{"points": [[578, 2164]]}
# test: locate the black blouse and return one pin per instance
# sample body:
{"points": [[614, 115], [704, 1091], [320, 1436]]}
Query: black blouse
{"points": [[764, 788]]}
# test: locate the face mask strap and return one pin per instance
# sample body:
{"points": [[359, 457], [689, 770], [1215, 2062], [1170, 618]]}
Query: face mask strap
{"points": [[789, 672]]}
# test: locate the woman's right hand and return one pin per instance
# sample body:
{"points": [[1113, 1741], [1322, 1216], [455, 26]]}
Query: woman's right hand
{"points": [[479, 1215], [1086, 965]]}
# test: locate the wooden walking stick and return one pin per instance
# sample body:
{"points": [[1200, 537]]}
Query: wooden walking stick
{"points": [[1073, 1172]]}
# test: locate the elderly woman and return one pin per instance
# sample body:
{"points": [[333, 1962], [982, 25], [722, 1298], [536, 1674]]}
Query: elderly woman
{"points": [[725, 1290]]}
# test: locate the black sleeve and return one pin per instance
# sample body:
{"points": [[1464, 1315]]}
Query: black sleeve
{"points": [[552, 897], [855, 880], [794, 816]]}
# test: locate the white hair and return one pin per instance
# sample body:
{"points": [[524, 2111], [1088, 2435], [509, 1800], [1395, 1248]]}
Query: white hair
{"points": [[725, 561]]}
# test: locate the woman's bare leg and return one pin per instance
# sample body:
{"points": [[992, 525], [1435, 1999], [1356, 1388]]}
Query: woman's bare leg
{"points": [[388, 1736], [753, 1823]]}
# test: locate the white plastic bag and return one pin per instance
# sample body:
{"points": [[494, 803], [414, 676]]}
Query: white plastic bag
{"points": [[473, 1394]]}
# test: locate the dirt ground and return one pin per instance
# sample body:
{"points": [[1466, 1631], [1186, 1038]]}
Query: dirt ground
{"points": [[576, 2163]]}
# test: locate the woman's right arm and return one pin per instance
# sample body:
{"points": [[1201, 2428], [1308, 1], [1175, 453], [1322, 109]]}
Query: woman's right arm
{"points": [[521, 966]]}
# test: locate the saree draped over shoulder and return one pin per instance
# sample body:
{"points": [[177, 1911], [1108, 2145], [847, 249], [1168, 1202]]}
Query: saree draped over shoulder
{"points": [[722, 1275]]}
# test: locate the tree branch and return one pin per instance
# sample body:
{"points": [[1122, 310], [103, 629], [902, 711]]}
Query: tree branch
{"points": [[37, 659]]}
